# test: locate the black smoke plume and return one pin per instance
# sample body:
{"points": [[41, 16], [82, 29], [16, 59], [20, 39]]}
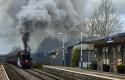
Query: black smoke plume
{"points": [[25, 39]]}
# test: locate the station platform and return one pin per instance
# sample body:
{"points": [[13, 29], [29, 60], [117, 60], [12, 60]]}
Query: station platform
{"points": [[3, 74], [91, 73]]}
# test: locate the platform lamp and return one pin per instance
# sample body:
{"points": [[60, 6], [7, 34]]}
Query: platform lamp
{"points": [[81, 46], [63, 47]]}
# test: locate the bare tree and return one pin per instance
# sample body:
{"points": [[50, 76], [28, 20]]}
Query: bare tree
{"points": [[104, 20]]}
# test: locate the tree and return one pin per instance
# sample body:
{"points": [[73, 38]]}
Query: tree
{"points": [[104, 21], [75, 57]]}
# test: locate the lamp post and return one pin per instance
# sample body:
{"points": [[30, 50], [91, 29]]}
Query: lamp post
{"points": [[81, 55], [88, 61], [63, 47]]}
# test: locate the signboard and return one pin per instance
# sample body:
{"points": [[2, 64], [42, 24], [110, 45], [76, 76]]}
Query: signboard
{"points": [[109, 40]]}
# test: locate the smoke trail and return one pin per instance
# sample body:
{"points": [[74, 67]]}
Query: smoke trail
{"points": [[26, 40], [56, 15]]}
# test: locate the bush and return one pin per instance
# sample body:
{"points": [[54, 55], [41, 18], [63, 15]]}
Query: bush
{"points": [[38, 66], [93, 65], [106, 68], [75, 57], [121, 68]]}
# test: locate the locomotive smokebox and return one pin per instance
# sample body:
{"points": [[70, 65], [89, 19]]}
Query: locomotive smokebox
{"points": [[25, 39]]}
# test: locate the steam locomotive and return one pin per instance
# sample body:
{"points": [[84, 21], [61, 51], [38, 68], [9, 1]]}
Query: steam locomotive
{"points": [[22, 59]]}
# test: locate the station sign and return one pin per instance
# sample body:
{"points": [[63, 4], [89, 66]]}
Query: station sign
{"points": [[109, 40]]}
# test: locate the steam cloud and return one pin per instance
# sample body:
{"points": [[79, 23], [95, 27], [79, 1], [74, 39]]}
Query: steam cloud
{"points": [[43, 18], [46, 15], [41, 14]]}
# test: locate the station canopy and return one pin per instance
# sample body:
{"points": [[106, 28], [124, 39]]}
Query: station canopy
{"points": [[116, 38]]}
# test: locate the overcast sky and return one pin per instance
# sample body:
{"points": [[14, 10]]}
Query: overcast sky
{"points": [[9, 35]]}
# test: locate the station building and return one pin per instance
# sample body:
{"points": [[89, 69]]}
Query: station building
{"points": [[57, 56], [87, 54], [110, 50]]}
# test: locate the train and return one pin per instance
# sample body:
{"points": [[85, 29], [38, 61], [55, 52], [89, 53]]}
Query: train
{"points": [[21, 58]]}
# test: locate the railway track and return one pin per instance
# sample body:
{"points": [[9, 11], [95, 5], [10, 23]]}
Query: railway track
{"points": [[15, 73], [50, 75], [12, 74], [43, 75]]}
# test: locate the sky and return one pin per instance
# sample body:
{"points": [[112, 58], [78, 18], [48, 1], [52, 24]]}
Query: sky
{"points": [[9, 32]]}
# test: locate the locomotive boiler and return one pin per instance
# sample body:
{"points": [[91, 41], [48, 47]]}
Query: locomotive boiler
{"points": [[22, 59]]}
